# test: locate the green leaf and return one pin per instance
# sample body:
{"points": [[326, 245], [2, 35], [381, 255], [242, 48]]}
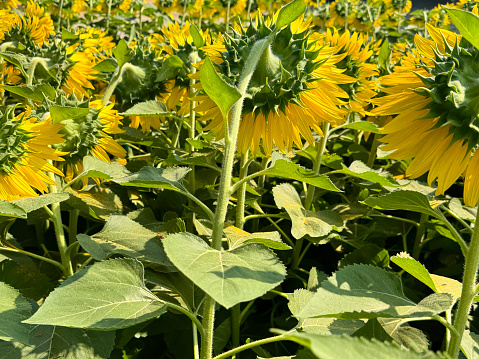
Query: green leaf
{"points": [[69, 343], [67, 35], [195, 159], [197, 38], [99, 203], [220, 91], [359, 170], [438, 284], [107, 65], [367, 254], [93, 167], [373, 330], [61, 113], [170, 68], [237, 237], [384, 57], [14, 309], [147, 108], [362, 126], [331, 326], [229, 277], [346, 347], [29, 281], [362, 291], [289, 13], [304, 222], [107, 295], [284, 168], [32, 92], [467, 23], [470, 345], [404, 200], [122, 235], [30, 204], [152, 177], [122, 53], [9, 209]]}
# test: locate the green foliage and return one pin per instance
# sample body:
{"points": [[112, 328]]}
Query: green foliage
{"points": [[467, 23]]}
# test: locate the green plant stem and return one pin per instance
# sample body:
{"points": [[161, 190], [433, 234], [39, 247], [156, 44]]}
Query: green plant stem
{"points": [[196, 347], [228, 7], [267, 215], [31, 70], [455, 233], [60, 233], [419, 236], [244, 347], [320, 147], [459, 219], [59, 24], [33, 255], [72, 233], [91, 12], [448, 314], [468, 292], [235, 327], [374, 148], [224, 193], [140, 18], [115, 80], [244, 311], [108, 16], [190, 315], [241, 192]]}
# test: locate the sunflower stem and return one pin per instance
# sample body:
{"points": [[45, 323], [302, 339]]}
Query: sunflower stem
{"points": [[59, 232], [241, 193], [228, 16], [468, 293], [33, 255], [59, 24], [320, 147], [250, 345], [108, 16], [373, 151], [224, 194], [419, 236], [115, 80]]}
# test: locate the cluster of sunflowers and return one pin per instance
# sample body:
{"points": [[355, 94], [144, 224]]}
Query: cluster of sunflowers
{"points": [[62, 91]]}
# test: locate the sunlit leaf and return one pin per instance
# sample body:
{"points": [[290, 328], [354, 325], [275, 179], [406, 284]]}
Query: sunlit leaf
{"points": [[290, 12], [467, 24]]}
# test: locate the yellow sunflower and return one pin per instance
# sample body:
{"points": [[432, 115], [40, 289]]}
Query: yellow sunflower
{"points": [[434, 95], [34, 24], [26, 152], [89, 135], [9, 4], [357, 50], [93, 41], [287, 97], [80, 74]]}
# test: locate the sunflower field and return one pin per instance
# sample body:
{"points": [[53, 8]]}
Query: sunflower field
{"points": [[242, 179]]}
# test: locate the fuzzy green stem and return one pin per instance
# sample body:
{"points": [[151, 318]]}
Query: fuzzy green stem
{"points": [[454, 232], [448, 314], [59, 24], [108, 15], [235, 326], [244, 347], [374, 148], [468, 292], [140, 18], [196, 347], [115, 80], [419, 236], [228, 16], [459, 219], [59, 232], [224, 193], [31, 70], [320, 147], [241, 193], [91, 12], [33, 255]]}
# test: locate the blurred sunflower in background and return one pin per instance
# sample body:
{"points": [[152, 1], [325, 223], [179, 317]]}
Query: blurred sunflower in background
{"points": [[25, 144], [434, 95], [293, 90]]}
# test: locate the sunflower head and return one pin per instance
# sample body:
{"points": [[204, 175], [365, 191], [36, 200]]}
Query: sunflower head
{"points": [[452, 85], [283, 72]]}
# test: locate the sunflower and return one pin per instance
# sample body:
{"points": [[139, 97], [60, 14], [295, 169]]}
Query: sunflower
{"points": [[93, 41], [9, 4], [88, 134], [397, 6], [357, 50], [34, 25], [292, 92], [340, 12], [26, 152], [79, 74], [434, 95]]}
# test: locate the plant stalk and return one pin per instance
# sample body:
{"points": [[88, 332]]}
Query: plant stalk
{"points": [[468, 292]]}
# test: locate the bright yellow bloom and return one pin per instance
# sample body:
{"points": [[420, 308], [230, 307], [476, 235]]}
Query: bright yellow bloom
{"points": [[26, 152], [80, 74], [432, 95]]}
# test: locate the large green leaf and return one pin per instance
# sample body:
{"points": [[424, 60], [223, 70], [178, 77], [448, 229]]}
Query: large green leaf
{"points": [[93, 167], [30, 204], [107, 295], [362, 126], [470, 345], [373, 330], [331, 326], [9, 209], [195, 159], [152, 177], [304, 222], [221, 92], [122, 53], [124, 236], [437, 283], [284, 168], [230, 277], [467, 24], [405, 200], [359, 170], [147, 108], [32, 92], [290, 12], [346, 347], [237, 237], [362, 291], [14, 309], [170, 67]]}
